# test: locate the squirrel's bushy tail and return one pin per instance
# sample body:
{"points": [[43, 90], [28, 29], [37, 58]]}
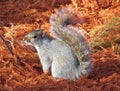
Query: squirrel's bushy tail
{"points": [[60, 22]]}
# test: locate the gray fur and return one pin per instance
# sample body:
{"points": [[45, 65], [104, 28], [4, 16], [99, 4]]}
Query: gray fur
{"points": [[67, 55]]}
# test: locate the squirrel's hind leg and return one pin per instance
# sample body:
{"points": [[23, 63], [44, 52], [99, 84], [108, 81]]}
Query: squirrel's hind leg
{"points": [[63, 71]]}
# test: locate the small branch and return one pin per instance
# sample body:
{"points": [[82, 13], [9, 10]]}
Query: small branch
{"points": [[16, 57], [6, 44]]}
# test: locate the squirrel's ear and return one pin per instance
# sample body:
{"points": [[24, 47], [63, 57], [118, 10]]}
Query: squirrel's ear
{"points": [[38, 27], [42, 33]]}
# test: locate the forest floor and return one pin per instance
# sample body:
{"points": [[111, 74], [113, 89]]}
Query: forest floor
{"points": [[23, 72]]}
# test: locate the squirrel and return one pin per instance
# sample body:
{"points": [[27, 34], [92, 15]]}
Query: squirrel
{"points": [[66, 54]]}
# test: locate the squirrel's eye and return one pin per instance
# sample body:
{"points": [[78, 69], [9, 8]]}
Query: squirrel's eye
{"points": [[34, 36]]}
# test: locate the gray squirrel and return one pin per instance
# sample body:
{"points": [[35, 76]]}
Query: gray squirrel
{"points": [[66, 54]]}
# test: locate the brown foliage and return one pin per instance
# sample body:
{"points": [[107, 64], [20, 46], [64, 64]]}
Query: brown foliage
{"points": [[23, 71]]}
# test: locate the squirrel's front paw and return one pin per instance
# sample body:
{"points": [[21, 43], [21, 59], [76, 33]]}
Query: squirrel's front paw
{"points": [[47, 72]]}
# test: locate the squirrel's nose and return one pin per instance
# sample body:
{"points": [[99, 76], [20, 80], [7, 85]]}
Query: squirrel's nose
{"points": [[26, 39]]}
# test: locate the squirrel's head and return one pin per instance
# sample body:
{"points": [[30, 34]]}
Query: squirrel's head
{"points": [[34, 37]]}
